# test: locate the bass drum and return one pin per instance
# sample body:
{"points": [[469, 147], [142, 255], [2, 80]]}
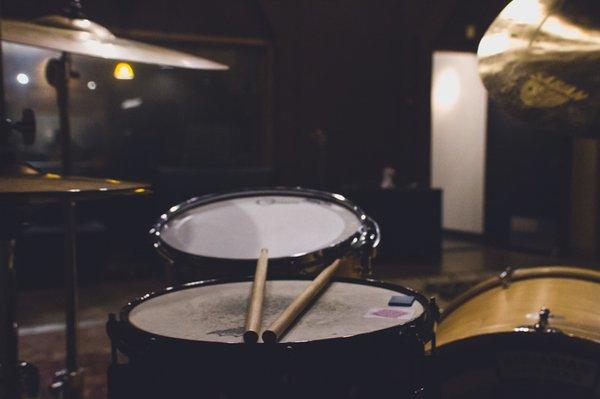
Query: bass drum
{"points": [[533, 332], [186, 342]]}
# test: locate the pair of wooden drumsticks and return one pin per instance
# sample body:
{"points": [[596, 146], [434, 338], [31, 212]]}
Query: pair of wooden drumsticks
{"points": [[291, 313]]}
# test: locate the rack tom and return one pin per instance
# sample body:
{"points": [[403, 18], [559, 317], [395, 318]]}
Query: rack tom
{"points": [[222, 235], [187, 342], [529, 333]]}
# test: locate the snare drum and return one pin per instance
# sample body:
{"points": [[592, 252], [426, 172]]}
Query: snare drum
{"points": [[530, 333], [187, 342], [223, 234]]}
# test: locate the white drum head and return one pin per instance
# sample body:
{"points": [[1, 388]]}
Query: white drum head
{"points": [[217, 313], [238, 228]]}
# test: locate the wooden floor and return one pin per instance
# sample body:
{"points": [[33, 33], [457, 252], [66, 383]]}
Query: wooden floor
{"points": [[40, 311]]}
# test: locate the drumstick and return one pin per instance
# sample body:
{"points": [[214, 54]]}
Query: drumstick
{"points": [[257, 296], [274, 332]]}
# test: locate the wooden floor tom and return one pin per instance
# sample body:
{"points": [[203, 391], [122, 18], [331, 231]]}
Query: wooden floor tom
{"points": [[534, 332]]}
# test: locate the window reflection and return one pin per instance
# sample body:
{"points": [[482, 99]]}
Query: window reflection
{"points": [[127, 128]]}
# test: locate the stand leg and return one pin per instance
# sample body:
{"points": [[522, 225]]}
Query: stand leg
{"points": [[68, 383], [70, 285], [9, 360]]}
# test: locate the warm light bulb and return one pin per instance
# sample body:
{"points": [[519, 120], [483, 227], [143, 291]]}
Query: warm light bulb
{"points": [[123, 71]]}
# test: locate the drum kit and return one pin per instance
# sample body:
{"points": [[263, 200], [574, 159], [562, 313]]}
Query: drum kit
{"points": [[296, 329]]}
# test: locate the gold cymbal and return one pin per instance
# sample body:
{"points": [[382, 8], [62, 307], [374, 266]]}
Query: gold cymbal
{"points": [[84, 37], [51, 185], [539, 59]]}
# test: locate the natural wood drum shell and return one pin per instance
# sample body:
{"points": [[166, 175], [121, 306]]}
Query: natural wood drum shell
{"points": [[570, 293]]}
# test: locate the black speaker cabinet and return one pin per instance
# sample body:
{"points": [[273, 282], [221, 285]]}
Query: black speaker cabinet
{"points": [[410, 221]]}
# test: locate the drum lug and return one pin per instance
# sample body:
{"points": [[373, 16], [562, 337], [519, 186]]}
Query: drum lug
{"points": [[419, 393], [542, 323], [67, 384], [506, 277], [541, 327], [369, 238]]}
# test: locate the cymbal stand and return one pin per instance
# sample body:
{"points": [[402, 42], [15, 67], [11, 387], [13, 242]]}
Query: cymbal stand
{"points": [[68, 383], [58, 74]]}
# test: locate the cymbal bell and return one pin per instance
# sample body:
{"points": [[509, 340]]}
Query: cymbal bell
{"points": [[84, 37], [539, 59]]}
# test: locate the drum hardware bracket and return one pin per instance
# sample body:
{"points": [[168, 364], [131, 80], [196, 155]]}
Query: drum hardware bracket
{"points": [[506, 277], [26, 126], [68, 384], [542, 324], [28, 380], [435, 315], [74, 9], [419, 393]]}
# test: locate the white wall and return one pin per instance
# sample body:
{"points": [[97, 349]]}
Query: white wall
{"points": [[458, 128]]}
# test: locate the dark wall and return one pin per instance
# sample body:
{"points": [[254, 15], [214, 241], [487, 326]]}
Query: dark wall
{"points": [[360, 71], [342, 73], [461, 14], [528, 172], [237, 18], [356, 70]]}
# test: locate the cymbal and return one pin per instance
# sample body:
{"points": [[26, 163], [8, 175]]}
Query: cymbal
{"points": [[539, 59], [84, 37], [51, 185]]}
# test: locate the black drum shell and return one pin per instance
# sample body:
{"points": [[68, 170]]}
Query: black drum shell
{"points": [[384, 363], [518, 365], [491, 346]]}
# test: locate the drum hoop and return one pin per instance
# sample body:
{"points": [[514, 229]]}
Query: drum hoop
{"points": [[527, 273], [423, 321], [367, 237]]}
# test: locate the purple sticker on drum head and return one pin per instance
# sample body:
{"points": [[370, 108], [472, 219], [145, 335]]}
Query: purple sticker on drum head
{"points": [[388, 313]]}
